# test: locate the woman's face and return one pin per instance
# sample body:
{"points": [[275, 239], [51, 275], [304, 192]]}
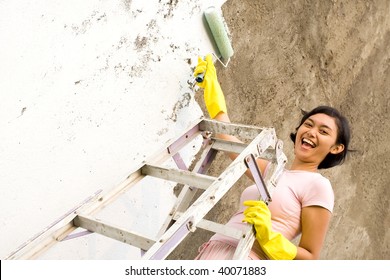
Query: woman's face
{"points": [[316, 137]]}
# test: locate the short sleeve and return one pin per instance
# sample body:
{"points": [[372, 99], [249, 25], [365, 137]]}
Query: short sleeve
{"points": [[319, 193]]}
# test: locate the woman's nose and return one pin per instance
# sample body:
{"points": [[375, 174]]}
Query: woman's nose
{"points": [[311, 132]]}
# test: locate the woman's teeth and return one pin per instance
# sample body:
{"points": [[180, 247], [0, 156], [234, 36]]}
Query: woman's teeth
{"points": [[308, 142]]}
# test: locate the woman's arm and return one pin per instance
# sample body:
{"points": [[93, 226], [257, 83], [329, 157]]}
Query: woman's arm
{"points": [[315, 222], [215, 103]]}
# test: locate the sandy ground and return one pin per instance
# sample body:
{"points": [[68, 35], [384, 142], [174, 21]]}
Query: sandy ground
{"points": [[293, 55]]}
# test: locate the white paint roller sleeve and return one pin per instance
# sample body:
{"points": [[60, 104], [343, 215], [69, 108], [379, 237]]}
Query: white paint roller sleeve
{"points": [[218, 29]]}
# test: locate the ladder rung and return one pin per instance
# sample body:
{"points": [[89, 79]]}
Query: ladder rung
{"points": [[216, 227], [236, 147], [113, 232], [228, 146], [242, 131], [221, 229], [180, 176]]}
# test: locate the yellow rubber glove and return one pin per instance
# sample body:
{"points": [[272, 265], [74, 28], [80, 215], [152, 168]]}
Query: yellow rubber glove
{"points": [[274, 244], [213, 95]]}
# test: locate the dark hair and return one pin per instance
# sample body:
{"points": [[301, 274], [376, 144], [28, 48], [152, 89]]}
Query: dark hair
{"points": [[343, 134]]}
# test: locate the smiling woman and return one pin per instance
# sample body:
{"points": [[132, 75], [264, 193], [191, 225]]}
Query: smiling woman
{"points": [[325, 123], [303, 200]]}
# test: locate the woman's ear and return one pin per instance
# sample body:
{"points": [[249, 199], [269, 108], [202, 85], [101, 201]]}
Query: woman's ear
{"points": [[336, 149]]}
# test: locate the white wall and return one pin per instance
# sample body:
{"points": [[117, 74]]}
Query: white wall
{"points": [[89, 89]]}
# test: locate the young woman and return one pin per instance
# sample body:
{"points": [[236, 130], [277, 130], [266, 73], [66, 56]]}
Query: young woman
{"points": [[302, 202]]}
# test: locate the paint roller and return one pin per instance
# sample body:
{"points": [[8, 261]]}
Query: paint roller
{"points": [[219, 32]]}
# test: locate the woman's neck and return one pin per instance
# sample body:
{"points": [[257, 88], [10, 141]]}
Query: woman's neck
{"points": [[304, 166]]}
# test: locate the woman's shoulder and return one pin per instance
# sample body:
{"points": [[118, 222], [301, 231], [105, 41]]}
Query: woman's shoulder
{"points": [[307, 182], [305, 175], [313, 188]]}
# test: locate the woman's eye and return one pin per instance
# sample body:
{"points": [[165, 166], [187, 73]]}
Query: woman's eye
{"points": [[308, 124], [324, 132]]}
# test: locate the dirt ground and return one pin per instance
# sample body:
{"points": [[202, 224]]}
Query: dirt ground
{"points": [[293, 55]]}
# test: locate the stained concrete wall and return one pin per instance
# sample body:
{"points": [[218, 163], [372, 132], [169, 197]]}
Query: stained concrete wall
{"points": [[90, 89], [293, 55]]}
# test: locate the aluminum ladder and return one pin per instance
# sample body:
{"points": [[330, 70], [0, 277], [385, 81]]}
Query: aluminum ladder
{"points": [[186, 215]]}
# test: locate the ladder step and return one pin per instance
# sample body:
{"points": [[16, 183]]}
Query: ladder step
{"points": [[114, 232], [235, 147], [242, 131], [217, 228], [220, 228], [180, 176]]}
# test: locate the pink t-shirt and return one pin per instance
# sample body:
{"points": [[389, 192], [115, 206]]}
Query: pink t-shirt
{"points": [[295, 189]]}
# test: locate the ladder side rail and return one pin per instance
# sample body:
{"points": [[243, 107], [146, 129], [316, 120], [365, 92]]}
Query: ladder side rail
{"points": [[50, 233], [161, 251], [245, 244]]}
